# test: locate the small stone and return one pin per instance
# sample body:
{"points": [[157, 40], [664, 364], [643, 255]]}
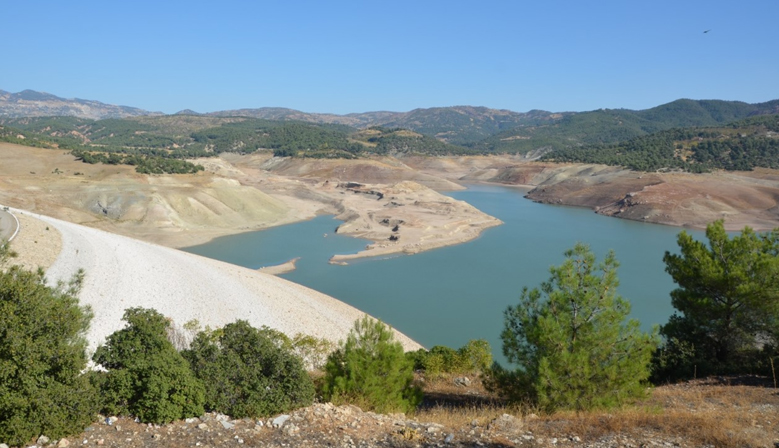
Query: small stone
{"points": [[192, 420], [260, 423], [42, 440], [202, 426], [110, 420], [576, 439], [279, 421], [462, 381], [156, 437], [100, 442], [553, 441], [3, 445], [449, 438], [63, 443], [432, 430], [118, 428], [227, 425]]}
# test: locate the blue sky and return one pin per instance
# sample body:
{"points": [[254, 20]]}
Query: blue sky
{"points": [[341, 57]]}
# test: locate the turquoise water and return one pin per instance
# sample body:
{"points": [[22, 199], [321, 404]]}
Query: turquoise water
{"points": [[451, 295]]}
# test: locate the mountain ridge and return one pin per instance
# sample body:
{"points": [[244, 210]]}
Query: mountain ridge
{"points": [[31, 103], [478, 128]]}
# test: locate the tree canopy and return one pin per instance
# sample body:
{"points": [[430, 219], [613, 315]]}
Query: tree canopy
{"points": [[570, 340], [42, 354], [727, 301]]}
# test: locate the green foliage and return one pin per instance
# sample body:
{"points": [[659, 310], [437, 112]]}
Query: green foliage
{"points": [[370, 369], [146, 376], [394, 141], [42, 352], [570, 340], [605, 127], [475, 357], [727, 301], [739, 146], [465, 125], [247, 373]]}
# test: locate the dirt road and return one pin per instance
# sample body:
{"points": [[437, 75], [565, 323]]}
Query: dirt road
{"points": [[8, 225]]}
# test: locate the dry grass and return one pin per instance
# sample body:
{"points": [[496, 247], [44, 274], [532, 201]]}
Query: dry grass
{"points": [[700, 413]]}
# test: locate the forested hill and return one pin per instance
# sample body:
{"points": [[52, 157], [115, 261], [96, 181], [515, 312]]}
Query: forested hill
{"points": [[159, 144], [742, 145], [637, 139], [606, 126]]}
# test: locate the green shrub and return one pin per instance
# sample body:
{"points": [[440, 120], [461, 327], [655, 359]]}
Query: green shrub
{"points": [[146, 376], [370, 369], [473, 358], [42, 352], [249, 372], [570, 342], [312, 350]]}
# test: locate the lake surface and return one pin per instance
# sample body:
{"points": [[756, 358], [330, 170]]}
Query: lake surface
{"points": [[451, 295]]}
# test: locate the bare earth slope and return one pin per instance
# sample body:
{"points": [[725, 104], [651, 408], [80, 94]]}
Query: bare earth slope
{"points": [[239, 194], [740, 198], [122, 272]]}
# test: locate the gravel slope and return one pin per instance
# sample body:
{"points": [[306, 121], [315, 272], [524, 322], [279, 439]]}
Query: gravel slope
{"points": [[122, 272]]}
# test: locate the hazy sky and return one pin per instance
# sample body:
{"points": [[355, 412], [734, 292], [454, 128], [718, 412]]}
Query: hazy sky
{"points": [[339, 56]]}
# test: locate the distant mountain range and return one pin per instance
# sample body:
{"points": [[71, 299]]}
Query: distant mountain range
{"points": [[29, 103], [479, 128]]}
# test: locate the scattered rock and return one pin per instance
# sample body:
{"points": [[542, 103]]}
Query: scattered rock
{"points": [[279, 421], [42, 440], [462, 381], [506, 423], [63, 443], [227, 425]]}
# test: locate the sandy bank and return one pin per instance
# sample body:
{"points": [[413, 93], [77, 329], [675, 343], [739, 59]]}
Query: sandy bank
{"points": [[282, 268], [122, 272]]}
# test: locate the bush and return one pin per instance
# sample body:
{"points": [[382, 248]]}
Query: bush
{"points": [[370, 369], [570, 342], [146, 376], [248, 373], [42, 352], [473, 358]]}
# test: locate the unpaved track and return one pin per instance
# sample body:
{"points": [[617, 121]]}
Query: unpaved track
{"points": [[8, 225], [122, 272]]}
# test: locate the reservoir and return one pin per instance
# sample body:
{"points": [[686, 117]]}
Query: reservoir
{"points": [[451, 295]]}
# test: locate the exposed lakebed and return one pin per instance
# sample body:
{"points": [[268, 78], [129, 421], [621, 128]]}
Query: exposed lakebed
{"points": [[451, 295]]}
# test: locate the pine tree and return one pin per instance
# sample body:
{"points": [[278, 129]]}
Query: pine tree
{"points": [[371, 370], [727, 302], [570, 340]]}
